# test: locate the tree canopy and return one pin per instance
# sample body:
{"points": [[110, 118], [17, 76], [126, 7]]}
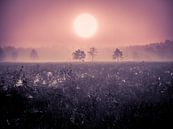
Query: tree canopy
{"points": [[79, 55], [117, 54]]}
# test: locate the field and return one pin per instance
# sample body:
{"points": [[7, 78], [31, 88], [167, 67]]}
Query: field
{"points": [[86, 95]]}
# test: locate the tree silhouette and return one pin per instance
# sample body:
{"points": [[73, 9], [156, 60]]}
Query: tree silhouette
{"points": [[34, 54], [2, 54], [117, 54], [92, 52], [79, 55]]}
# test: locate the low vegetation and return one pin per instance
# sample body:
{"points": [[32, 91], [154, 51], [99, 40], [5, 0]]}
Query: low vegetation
{"points": [[86, 96]]}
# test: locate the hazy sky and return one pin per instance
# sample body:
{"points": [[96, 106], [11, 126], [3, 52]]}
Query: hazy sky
{"points": [[50, 22]]}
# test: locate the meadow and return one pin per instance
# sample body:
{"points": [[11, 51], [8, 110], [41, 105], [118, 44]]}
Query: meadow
{"points": [[127, 95]]}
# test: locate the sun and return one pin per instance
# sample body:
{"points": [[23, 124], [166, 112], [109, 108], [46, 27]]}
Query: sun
{"points": [[85, 25]]}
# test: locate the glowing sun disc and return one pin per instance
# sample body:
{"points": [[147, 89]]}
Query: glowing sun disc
{"points": [[85, 25]]}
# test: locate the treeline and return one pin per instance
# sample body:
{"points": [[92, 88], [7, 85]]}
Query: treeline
{"points": [[13, 54], [162, 51]]}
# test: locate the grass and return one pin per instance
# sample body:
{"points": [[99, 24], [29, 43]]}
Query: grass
{"points": [[86, 96]]}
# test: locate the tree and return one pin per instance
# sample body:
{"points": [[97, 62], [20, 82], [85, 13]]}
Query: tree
{"points": [[2, 54], [79, 55], [117, 54], [92, 52], [34, 54]]}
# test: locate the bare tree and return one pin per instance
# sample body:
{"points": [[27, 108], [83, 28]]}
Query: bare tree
{"points": [[34, 54], [79, 55], [117, 54], [92, 52]]}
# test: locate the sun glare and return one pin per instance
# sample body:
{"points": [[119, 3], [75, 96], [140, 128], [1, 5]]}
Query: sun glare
{"points": [[85, 25]]}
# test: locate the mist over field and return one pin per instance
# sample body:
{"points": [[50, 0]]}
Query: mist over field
{"points": [[86, 64], [162, 51]]}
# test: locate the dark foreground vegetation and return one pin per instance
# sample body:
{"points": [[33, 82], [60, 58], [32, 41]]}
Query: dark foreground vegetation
{"points": [[86, 96]]}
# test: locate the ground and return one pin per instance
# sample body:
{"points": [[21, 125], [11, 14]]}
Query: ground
{"points": [[125, 95]]}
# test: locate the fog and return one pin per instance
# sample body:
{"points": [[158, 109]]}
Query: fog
{"points": [[161, 51]]}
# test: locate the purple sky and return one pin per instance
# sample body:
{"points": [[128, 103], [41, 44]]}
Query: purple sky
{"points": [[38, 23]]}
